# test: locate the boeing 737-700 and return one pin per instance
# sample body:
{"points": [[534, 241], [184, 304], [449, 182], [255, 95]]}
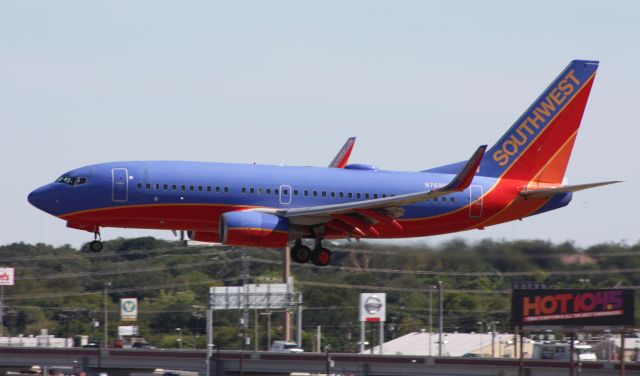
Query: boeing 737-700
{"points": [[274, 206]]}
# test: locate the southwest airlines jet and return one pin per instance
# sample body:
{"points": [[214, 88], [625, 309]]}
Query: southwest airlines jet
{"points": [[275, 206]]}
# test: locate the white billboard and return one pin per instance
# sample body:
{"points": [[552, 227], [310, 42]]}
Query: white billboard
{"points": [[128, 309], [128, 330], [254, 296], [7, 276], [373, 307]]}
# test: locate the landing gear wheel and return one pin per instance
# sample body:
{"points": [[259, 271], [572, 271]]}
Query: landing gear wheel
{"points": [[300, 254], [95, 246], [321, 257]]}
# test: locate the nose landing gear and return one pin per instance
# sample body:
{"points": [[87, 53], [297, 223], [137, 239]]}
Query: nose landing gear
{"points": [[319, 256], [96, 244]]}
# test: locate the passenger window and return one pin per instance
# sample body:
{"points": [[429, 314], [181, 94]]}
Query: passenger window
{"points": [[350, 195], [451, 199], [384, 195], [268, 191], [226, 189], [183, 187], [208, 188], [444, 199], [252, 190], [276, 191], [244, 190], [375, 195], [341, 194], [165, 187], [157, 186], [315, 193], [139, 185], [192, 188], [333, 194], [285, 192], [435, 199], [217, 189], [324, 193], [366, 195], [148, 186], [295, 192], [174, 187], [259, 191], [358, 195], [306, 193]]}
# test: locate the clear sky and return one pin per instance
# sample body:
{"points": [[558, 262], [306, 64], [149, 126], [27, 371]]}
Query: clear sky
{"points": [[419, 83]]}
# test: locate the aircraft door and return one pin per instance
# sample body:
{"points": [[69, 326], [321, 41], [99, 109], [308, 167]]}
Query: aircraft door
{"points": [[285, 194], [475, 198], [120, 179]]}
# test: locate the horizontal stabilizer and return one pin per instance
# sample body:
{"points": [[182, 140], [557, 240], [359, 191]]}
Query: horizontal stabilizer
{"points": [[548, 192]]}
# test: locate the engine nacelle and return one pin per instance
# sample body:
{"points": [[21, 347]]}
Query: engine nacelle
{"points": [[253, 229]]}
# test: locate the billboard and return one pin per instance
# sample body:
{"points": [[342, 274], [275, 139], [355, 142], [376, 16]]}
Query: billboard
{"points": [[572, 308], [7, 277], [373, 307], [128, 309], [253, 296]]}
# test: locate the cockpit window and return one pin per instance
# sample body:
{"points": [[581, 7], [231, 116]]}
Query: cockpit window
{"points": [[71, 180]]}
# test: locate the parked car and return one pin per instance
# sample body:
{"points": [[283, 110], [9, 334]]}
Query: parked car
{"points": [[286, 347], [142, 345]]}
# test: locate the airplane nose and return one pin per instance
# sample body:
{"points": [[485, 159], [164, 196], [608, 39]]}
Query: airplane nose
{"points": [[42, 198]]}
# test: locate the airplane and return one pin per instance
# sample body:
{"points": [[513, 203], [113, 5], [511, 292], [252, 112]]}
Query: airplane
{"points": [[276, 206]]}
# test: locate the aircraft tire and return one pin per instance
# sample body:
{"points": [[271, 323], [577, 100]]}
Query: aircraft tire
{"points": [[321, 257], [95, 246], [300, 254]]}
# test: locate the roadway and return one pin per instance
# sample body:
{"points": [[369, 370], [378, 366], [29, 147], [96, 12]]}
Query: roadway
{"points": [[123, 362]]}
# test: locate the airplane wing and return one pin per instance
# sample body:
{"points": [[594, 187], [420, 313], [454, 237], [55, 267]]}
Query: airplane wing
{"points": [[342, 158], [548, 192], [357, 217]]}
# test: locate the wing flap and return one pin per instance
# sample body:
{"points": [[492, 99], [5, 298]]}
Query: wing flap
{"points": [[549, 192]]}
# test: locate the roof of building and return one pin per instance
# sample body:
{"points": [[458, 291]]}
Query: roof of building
{"points": [[454, 344]]}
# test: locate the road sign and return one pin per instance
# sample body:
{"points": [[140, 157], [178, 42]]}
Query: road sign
{"points": [[373, 307], [7, 276], [128, 309]]}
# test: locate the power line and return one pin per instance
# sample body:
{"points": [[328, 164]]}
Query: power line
{"points": [[455, 274]]}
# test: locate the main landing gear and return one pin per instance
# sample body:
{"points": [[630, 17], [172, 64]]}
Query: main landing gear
{"points": [[96, 244], [302, 254]]}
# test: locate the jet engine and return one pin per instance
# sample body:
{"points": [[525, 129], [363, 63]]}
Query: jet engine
{"points": [[253, 229]]}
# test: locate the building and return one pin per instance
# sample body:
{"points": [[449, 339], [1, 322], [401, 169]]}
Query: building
{"points": [[454, 344]]}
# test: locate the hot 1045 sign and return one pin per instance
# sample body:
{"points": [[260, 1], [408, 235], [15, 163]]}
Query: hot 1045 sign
{"points": [[573, 307]]}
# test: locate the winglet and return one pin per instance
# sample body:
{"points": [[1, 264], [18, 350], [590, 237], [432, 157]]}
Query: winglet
{"points": [[465, 176], [342, 158]]}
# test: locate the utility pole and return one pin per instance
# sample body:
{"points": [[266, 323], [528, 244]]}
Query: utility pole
{"points": [[245, 305], [105, 341], [493, 338], [318, 338], [286, 273], [430, 316], [441, 320]]}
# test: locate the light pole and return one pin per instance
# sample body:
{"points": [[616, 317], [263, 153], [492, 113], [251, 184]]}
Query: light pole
{"points": [[441, 320], [431, 288], [179, 330], [106, 316]]}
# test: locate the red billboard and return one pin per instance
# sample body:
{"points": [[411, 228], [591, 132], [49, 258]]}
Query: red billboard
{"points": [[573, 307]]}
